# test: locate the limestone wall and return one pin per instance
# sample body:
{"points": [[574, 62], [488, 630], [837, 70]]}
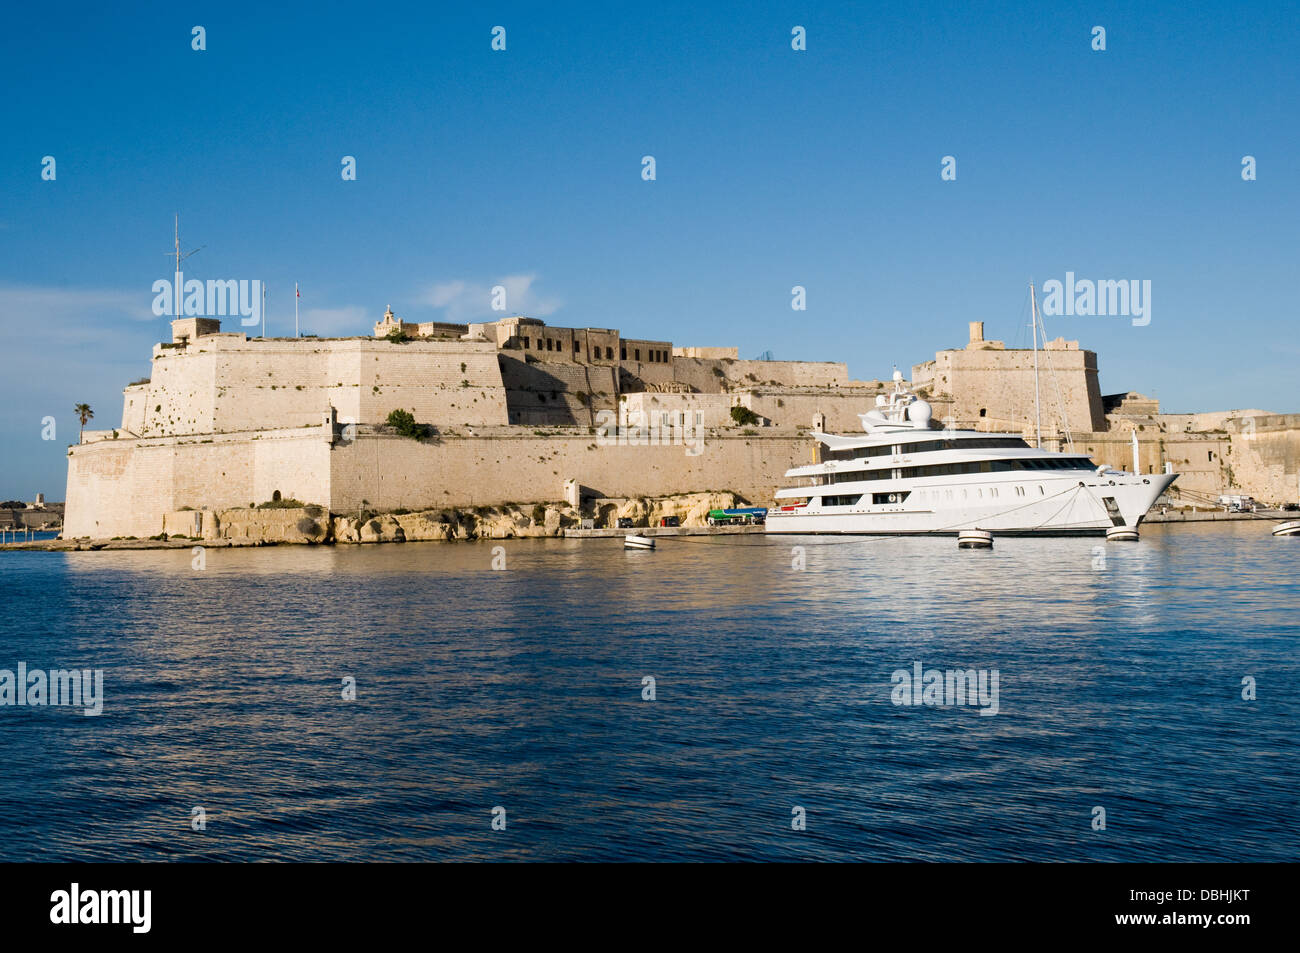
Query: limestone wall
{"points": [[393, 472], [125, 487], [1265, 456], [225, 384], [684, 410], [990, 382], [549, 393], [707, 375], [796, 407], [714, 353], [134, 398]]}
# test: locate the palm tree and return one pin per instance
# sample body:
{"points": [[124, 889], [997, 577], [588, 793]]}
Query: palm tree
{"points": [[84, 413]]}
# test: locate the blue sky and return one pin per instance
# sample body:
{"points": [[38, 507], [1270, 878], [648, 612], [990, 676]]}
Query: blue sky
{"points": [[775, 168]]}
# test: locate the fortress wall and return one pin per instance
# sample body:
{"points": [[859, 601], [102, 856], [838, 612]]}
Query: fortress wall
{"points": [[180, 397], [134, 400], [425, 377], [223, 384], [546, 393], [1264, 458], [342, 377], [700, 373], [787, 408], [260, 390], [649, 373], [125, 487], [115, 490], [1001, 383], [647, 409], [392, 472]]}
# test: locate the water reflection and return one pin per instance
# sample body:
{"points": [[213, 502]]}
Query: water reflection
{"points": [[1119, 686]]}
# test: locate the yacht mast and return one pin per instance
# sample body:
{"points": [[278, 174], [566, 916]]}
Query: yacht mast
{"points": [[1038, 415]]}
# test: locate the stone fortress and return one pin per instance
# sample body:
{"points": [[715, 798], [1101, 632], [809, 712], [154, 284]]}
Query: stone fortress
{"points": [[523, 413]]}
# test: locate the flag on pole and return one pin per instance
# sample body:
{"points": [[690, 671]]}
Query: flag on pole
{"points": [[296, 295]]}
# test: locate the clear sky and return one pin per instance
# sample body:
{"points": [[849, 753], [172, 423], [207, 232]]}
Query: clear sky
{"points": [[774, 167]]}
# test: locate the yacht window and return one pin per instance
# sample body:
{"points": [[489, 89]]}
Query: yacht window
{"points": [[841, 500]]}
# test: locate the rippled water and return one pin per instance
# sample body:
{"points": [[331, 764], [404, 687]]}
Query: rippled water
{"points": [[1119, 686]]}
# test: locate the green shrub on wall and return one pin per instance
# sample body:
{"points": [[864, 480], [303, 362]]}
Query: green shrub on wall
{"points": [[403, 421]]}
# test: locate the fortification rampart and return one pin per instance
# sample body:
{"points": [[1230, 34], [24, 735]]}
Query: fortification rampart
{"points": [[226, 383], [125, 487], [707, 374]]}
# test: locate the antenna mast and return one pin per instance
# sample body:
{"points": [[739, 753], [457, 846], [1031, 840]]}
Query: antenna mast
{"points": [[176, 286], [1038, 414]]}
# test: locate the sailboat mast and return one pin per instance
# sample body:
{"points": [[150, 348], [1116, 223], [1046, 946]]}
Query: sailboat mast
{"points": [[1038, 414]]}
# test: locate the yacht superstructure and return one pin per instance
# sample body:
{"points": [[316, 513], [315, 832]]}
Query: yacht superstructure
{"points": [[902, 476]]}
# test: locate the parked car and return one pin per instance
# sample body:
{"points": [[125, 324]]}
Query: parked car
{"points": [[670, 521], [624, 523], [1291, 507]]}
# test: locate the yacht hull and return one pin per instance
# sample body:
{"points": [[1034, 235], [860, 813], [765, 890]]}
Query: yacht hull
{"points": [[1055, 507]]}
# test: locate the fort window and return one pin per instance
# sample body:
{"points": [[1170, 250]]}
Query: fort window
{"points": [[637, 352], [622, 354], [575, 347], [549, 345], [609, 354], [983, 411], [275, 497], [525, 340]]}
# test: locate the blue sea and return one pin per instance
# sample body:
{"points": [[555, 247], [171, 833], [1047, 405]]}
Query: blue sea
{"points": [[520, 696]]}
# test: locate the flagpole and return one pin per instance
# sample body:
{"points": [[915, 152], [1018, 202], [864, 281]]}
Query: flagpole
{"points": [[296, 296], [264, 310]]}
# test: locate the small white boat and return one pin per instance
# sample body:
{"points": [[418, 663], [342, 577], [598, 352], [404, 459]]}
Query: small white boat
{"points": [[1122, 534], [635, 541], [1289, 528]]}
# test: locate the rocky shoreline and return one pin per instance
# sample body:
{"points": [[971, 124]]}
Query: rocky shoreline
{"points": [[312, 526]]}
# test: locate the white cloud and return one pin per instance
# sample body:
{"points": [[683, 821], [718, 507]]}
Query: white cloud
{"points": [[347, 321], [464, 301], [61, 309]]}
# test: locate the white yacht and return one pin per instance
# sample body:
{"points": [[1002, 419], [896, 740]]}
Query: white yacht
{"points": [[903, 477]]}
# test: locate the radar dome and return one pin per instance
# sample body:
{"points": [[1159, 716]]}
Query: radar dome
{"points": [[919, 413], [898, 375]]}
